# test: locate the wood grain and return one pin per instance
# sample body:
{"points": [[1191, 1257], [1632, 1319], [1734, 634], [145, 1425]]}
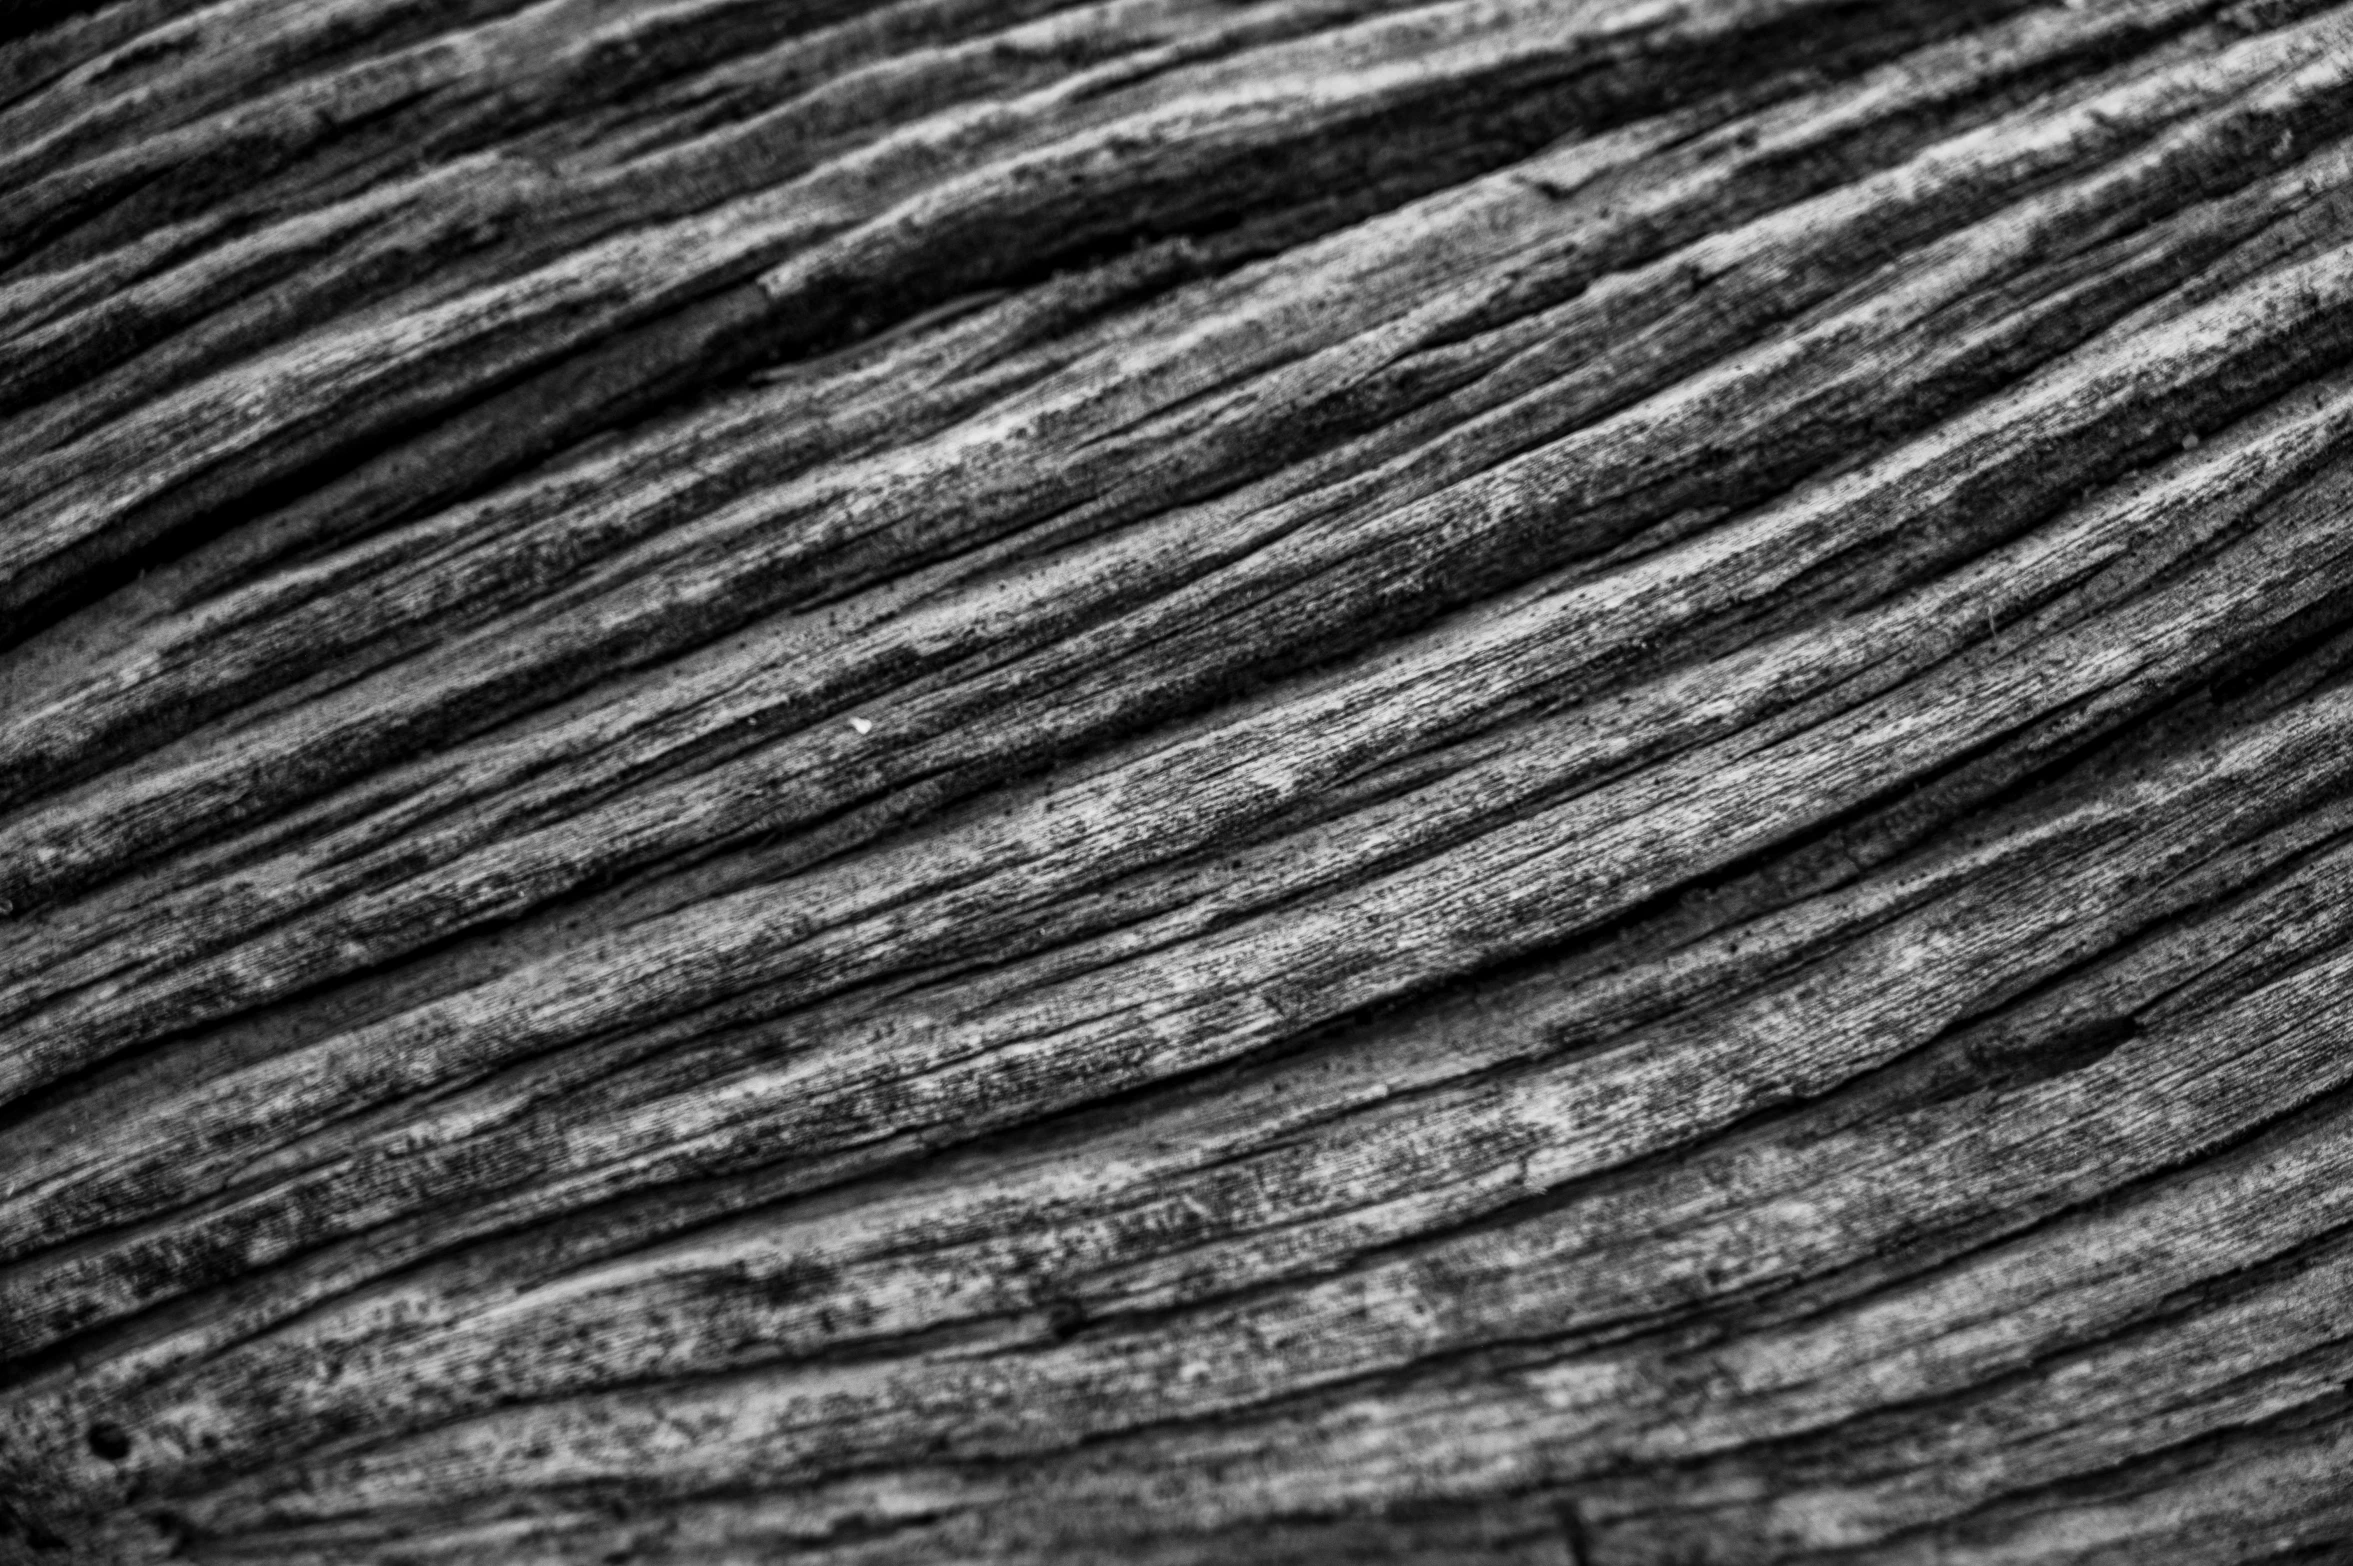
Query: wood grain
{"points": [[1550, 781]]}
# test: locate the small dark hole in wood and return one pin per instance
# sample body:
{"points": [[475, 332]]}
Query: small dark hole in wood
{"points": [[175, 1529], [111, 1442]]}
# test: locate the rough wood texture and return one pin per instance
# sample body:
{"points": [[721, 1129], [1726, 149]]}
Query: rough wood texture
{"points": [[1176, 781]]}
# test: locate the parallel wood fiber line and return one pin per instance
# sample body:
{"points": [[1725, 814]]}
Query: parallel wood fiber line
{"points": [[1176, 781]]}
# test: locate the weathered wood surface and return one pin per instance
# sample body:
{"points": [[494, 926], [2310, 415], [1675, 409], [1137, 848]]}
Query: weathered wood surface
{"points": [[1325, 780]]}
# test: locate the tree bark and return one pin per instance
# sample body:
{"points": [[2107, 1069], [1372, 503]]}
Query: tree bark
{"points": [[1174, 781]]}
